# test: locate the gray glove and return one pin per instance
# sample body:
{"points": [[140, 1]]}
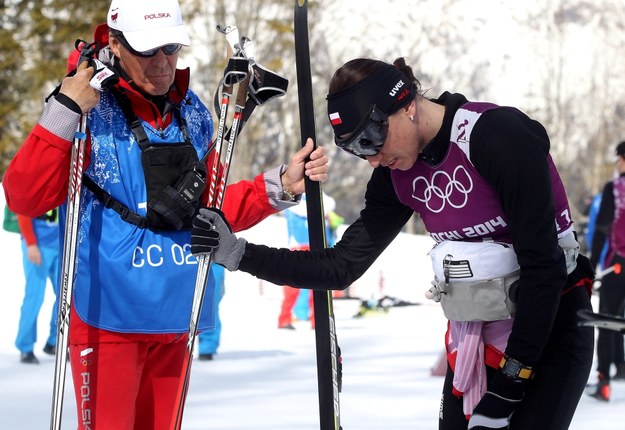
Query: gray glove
{"points": [[211, 234]]}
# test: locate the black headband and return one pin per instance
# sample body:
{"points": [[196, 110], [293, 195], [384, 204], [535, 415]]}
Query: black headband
{"points": [[388, 89]]}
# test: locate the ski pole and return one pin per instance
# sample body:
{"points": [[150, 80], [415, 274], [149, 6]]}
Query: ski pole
{"points": [[223, 112], [102, 79], [68, 270], [233, 133], [615, 268], [264, 84], [215, 200]]}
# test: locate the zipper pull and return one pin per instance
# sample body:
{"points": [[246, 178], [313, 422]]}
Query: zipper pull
{"points": [[446, 265]]}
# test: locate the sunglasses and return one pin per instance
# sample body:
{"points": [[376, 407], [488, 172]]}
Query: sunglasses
{"points": [[170, 49], [368, 138]]}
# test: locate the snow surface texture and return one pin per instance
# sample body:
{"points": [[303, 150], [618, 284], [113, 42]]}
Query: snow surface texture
{"points": [[265, 378]]}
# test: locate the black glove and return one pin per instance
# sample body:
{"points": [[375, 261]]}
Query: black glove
{"points": [[211, 234], [498, 404], [204, 239], [584, 269]]}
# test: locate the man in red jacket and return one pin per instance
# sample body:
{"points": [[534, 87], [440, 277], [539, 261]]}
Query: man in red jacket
{"points": [[135, 276]]}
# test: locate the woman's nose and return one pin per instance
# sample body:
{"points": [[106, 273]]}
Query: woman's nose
{"points": [[374, 160]]}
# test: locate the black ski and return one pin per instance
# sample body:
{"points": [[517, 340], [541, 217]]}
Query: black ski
{"points": [[328, 353], [609, 322]]}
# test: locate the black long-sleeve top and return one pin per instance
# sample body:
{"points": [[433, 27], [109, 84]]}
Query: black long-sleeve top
{"points": [[509, 150]]}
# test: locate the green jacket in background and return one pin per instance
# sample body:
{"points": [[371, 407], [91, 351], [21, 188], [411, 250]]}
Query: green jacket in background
{"points": [[9, 223]]}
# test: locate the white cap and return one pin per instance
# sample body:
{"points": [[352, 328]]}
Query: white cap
{"points": [[148, 24]]}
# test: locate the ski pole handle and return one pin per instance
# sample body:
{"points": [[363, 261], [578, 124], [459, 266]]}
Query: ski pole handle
{"points": [[616, 268]]}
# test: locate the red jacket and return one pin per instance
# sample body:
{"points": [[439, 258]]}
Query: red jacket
{"points": [[27, 230]]}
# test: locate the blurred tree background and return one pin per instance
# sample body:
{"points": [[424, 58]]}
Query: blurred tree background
{"points": [[560, 61], [35, 40]]}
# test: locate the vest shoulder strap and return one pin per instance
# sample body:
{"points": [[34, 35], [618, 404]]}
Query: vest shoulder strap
{"points": [[111, 203]]}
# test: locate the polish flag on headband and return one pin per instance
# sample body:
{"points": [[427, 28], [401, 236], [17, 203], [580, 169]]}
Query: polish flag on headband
{"points": [[335, 118]]}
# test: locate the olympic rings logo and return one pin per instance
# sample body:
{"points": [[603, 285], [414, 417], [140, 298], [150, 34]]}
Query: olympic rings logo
{"points": [[443, 190]]}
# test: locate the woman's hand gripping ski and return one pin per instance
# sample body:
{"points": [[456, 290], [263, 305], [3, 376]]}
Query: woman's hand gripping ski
{"points": [[211, 233]]}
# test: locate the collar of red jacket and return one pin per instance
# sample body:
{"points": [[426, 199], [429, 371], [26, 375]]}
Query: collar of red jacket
{"points": [[145, 109]]}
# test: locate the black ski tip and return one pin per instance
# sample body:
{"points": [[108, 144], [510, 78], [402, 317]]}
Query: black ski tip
{"points": [[588, 318], [585, 314]]}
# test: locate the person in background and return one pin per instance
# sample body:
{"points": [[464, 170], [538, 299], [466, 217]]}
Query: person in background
{"points": [[298, 302], [593, 211], [9, 222], [610, 226], [148, 145], [40, 248], [508, 272], [208, 340], [619, 346]]}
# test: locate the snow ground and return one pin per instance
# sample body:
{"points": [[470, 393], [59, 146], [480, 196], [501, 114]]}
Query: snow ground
{"points": [[265, 378]]}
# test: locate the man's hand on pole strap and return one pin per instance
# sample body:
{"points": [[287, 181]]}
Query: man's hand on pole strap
{"points": [[306, 163], [78, 88], [92, 76], [211, 234]]}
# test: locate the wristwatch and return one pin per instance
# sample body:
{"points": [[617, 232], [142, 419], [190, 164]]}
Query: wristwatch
{"points": [[287, 195], [514, 369]]}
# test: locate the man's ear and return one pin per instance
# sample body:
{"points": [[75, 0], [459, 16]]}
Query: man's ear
{"points": [[114, 44]]}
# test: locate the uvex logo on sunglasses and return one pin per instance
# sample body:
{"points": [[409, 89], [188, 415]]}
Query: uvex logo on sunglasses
{"points": [[157, 15], [396, 88]]}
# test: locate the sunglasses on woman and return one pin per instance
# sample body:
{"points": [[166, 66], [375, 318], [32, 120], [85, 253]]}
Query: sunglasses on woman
{"points": [[170, 49], [368, 138]]}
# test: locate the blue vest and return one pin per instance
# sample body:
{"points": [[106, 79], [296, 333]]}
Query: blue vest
{"points": [[130, 279], [47, 232]]}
